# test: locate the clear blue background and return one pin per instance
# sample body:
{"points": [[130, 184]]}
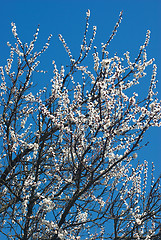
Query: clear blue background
{"points": [[68, 18]]}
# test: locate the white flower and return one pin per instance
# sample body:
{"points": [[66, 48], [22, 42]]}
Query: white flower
{"points": [[94, 28], [105, 62], [83, 48], [36, 146], [138, 221], [23, 123], [88, 13]]}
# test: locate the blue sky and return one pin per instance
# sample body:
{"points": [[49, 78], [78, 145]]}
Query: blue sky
{"points": [[68, 18]]}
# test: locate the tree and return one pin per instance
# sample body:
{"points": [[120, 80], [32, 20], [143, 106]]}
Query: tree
{"points": [[69, 167]]}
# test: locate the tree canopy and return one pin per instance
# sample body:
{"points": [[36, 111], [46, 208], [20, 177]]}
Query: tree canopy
{"points": [[69, 163]]}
